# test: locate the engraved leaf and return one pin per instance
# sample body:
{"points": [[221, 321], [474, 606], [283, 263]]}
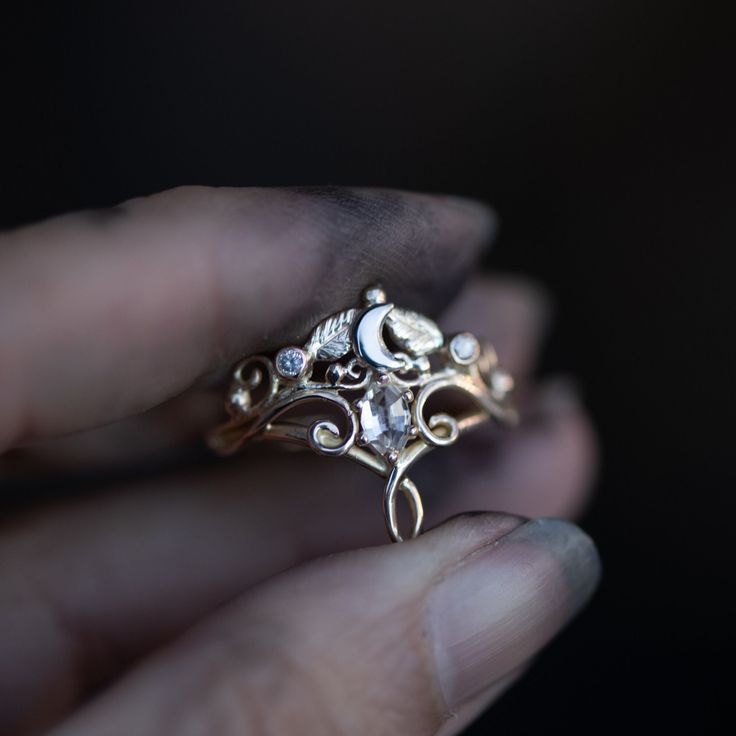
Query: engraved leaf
{"points": [[330, 339], [413, 332]]}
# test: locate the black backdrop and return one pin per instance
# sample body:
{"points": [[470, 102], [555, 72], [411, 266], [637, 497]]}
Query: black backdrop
{"points": [[601, 132]]}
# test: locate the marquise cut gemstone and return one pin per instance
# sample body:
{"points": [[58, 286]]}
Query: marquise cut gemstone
{"points": [[385, 418]]}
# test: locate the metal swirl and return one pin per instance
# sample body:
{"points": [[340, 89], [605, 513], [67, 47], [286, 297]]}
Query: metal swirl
{"points": [[396, 482], [318, 429], [249, 375], [448, 424]]}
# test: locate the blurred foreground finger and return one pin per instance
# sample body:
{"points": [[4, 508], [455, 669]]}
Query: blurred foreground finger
{"points": [[511, 313], [106, 314], [379, 641], [545, 467]]}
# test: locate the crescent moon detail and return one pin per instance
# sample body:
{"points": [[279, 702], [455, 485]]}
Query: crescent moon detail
{"points": [[368, 340]]}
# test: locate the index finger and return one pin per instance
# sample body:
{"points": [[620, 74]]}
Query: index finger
{"points": [[105, 314]]}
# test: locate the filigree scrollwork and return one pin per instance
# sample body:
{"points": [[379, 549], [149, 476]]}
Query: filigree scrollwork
{"points": [[251, 375], [390, 512], [352, 376], [440, 429], [323, 435]]}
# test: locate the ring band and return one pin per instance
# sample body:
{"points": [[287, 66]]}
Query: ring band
{"points": [[374, 368]]}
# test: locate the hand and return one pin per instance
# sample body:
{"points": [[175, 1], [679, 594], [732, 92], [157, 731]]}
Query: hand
{"points": [[179, 598]]}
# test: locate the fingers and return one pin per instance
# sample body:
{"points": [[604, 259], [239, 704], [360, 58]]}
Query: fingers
{"points": [[380, 641], [111, 313], [248, 521], [125, 572]]}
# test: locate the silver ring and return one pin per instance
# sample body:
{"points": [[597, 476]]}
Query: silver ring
{"points": [[367, 374]]}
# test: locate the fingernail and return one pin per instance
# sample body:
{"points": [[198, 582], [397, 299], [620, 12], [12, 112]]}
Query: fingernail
{"points": [[500, 605]]}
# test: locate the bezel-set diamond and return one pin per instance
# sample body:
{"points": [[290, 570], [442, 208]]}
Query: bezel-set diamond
{"points": [[464, 348], [291, 362]]}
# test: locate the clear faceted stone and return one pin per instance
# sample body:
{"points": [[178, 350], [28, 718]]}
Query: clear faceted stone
{"points": [[290, 362], [385, 418]]}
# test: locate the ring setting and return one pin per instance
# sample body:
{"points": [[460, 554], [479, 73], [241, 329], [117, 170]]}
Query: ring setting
{"points": [[362, 386]]}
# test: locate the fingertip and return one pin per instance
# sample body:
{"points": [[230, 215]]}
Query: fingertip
{"points": [[574, 552], [500, 605], [398, 639]]}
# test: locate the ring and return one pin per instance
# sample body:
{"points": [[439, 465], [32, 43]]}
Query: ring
{"points": [[375, 368]]}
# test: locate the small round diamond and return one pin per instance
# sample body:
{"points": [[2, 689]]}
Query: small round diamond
{"points": [[464, 348], [290, 362]]}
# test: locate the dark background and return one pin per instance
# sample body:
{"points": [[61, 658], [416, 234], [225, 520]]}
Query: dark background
{"points": [[601, 132]]}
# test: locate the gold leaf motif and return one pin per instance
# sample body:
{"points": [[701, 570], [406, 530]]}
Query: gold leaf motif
{"points": [[416, 334], [330, 339]]}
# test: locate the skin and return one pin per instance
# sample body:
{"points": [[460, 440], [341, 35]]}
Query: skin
{"points": [[258, 596]]}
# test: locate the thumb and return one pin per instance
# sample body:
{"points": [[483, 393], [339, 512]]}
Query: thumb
{"points": [[413, 638]]}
